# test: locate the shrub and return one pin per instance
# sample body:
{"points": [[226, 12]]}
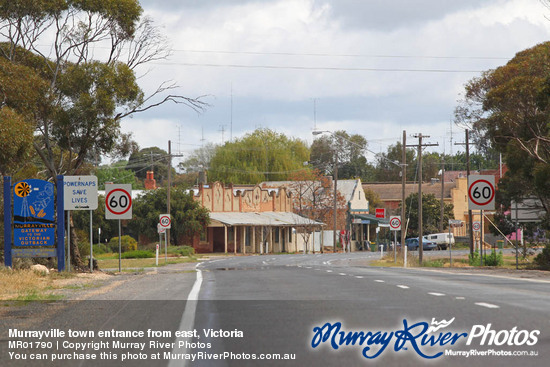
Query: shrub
{"points": [[186, 251], [101, 249], [543, 259], [127, 243], [474, 258], [494, 259], [137, 254]]}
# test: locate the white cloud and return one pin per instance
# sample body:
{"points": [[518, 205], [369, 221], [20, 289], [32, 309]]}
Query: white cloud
{"points": [[377, 104]]}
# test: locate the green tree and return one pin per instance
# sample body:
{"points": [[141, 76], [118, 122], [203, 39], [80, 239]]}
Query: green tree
{"points": [[86, 98], [117, 173], [431, 214], [509, 107], [147, 159], [263, 155], [189, 218], [386, 171], [351, 155]]}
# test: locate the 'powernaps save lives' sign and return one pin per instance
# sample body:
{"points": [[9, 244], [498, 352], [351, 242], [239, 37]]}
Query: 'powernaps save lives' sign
{"points": [[80, 192]]}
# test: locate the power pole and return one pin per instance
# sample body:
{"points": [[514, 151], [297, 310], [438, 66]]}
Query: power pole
{"points": [[442, 193], [335, 200], [470, 220], [420, 224], [403, 182], [169, 182]]}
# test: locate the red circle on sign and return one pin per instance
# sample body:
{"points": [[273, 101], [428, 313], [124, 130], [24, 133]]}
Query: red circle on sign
{"points": [[398, 225], [484, 202], [109, 207], [169, 221]]}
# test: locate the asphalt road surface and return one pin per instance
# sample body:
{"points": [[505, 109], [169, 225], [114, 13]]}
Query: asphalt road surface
{"points": [[297, 310]]}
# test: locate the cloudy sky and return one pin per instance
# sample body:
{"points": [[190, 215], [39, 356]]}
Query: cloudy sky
{"points": [[370, 67]]}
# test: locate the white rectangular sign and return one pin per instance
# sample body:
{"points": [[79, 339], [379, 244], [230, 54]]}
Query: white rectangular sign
{"points": [[79, 192], [118, 201]]}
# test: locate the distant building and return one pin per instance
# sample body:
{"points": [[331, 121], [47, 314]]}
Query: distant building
{"points": [[248, 219]]}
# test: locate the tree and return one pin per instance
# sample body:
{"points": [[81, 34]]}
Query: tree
{"points": [[509, 107], [117, 173], [85, 98], [263, 155], [351, 155], [150, 159], [189, 218], [200, 159], [313, 198], [386, 171], [431, 214]]}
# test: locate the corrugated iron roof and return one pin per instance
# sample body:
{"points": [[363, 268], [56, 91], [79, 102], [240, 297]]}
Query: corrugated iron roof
{"points": [[280, 219]]}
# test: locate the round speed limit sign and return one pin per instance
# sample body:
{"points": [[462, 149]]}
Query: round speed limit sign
{"points": [[481, 192], [165, 221], [118, 201], [395, 223]]}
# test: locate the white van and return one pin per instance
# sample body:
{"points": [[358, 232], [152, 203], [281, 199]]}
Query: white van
{"points": [[442, 240]]}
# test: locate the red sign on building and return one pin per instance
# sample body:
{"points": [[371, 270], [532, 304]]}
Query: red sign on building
{"points": [[380, 213]]}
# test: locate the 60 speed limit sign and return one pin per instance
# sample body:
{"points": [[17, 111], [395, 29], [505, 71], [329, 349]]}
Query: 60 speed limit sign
{"points": [[118, 201], [481, 192], [165, 221], [395, 223]]}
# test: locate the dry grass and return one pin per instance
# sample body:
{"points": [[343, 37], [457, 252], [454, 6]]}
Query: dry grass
{"points": [[24, 284]]}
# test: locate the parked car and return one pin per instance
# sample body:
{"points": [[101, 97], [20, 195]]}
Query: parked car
{"points": [[442, 240], [427, 245]]}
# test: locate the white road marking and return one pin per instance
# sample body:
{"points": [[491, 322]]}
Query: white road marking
{"points": [[359, 277], [379, 281], [460, 298], [488, 305], [436, 294], [265, 262], [342, 273], [329, 271], [308, 267], [403, 286], [188, 319]]}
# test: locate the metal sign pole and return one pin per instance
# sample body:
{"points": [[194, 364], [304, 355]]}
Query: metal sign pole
{"points": [[165, 247], [68, 240], [91, 245], [395, 246], [119, 246]]}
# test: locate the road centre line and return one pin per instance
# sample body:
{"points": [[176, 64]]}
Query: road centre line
{"points": [[379, 281], [359, 276], [342, 273], [436, 294], [188, 319], [488, 305], [402, 286]]}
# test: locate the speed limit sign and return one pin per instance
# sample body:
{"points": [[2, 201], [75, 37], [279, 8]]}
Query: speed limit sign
{"points": [[395, 223], [165, 221], [118, 201], [481, 192]]}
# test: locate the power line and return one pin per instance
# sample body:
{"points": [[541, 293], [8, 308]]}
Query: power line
{"points": [[326, 68], [372, 56]]}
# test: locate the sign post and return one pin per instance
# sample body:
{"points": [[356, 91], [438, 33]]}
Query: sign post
{"points": [[395, 225], [118, 205]]}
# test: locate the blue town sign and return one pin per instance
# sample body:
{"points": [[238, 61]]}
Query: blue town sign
{"points": [[33, 213]]}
